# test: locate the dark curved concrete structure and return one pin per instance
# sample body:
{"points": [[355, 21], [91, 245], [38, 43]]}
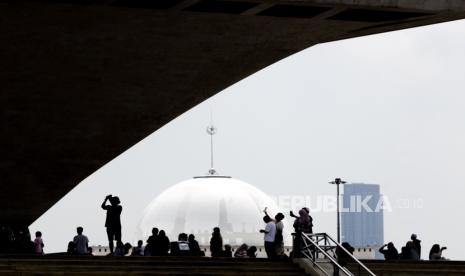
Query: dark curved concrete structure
{"points": [[83, 80]]}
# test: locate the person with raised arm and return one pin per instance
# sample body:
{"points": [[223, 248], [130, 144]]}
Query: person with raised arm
{"points": [[113, 220]]}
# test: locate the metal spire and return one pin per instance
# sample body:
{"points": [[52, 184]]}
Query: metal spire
{"points": [[211, 130]]}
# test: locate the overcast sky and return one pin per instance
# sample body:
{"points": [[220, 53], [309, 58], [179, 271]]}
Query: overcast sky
{"points": [[386, 109]]}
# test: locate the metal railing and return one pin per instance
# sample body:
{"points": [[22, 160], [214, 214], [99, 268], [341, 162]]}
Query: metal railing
{"points": [[320, 248]]}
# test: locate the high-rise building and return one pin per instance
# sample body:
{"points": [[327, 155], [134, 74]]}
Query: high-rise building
{"points": [[362, 216]]}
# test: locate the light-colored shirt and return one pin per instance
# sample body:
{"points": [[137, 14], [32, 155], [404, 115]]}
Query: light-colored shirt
{"points": [[270, 230], [183, 246], [81, 243], [38, 246]]}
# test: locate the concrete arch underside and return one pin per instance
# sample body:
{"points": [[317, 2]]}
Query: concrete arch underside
{"points": [[83, 80]]}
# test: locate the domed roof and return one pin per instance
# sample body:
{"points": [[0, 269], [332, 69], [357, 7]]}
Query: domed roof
{"points": [[199, 204]]}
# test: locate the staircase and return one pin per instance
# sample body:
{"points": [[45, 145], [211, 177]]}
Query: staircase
{"points": [[89, 265], [412, 268]]}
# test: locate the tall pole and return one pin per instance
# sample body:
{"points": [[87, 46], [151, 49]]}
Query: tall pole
{"points": [[338, 216], [211, 151], [338, 181]]}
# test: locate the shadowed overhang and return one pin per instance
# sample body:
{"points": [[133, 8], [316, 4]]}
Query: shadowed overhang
{"points": [[82, 81]]}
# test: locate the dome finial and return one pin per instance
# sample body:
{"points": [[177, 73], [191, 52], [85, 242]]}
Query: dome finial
{"points": [[211, 130]]}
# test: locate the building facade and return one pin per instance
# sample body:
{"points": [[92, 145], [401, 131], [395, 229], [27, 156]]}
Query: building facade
{"points": [[362, 216]]}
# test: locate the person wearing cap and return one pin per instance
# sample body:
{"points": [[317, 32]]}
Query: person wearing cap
{"points": [[113, 221]]}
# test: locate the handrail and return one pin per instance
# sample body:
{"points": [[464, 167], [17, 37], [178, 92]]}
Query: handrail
{"points": [[333, 261], [352, 256], [315, 239]]}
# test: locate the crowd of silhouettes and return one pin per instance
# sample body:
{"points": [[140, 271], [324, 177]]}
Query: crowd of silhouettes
{"points": [[411, 251], [158, 244]]}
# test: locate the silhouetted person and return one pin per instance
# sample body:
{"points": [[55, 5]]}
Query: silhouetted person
{"points": [[302, 224], [216, 243], [81, 242], [307, 226], [152, 243], [164, 243], [241, 252], [279, 238], [416, 244], [227, 251], [343, 256], [180, 247], [270, 233], [113, 220], [127, 247], [409, 252], [122, 249], [435, 254], [139, 249], [194, 247], [21, 243], [7, 239], [119, 250], [71, 248], [252, 252], [38, 244], [390, 253]]}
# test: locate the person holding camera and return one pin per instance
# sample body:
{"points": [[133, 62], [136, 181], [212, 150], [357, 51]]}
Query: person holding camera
{"points": [[390, 253], [435, 254], [113, 221]]}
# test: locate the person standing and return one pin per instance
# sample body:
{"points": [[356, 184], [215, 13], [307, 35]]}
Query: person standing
{"points": [[81, 242], [113, 220], [163, 243], [416, 245], [152, 243], [216, 243], [269, 237], [194, 247], [39, 244], [279, 238], [305, 219]]}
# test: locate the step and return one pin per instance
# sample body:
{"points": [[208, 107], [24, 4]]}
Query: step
{"points": [[90, 265]]}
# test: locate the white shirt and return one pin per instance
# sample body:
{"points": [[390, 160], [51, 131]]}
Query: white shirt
{"points": [[81, 243], [271, 231]]}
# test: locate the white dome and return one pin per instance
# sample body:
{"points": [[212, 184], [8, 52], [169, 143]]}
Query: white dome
{"points": [[199, 204]]}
